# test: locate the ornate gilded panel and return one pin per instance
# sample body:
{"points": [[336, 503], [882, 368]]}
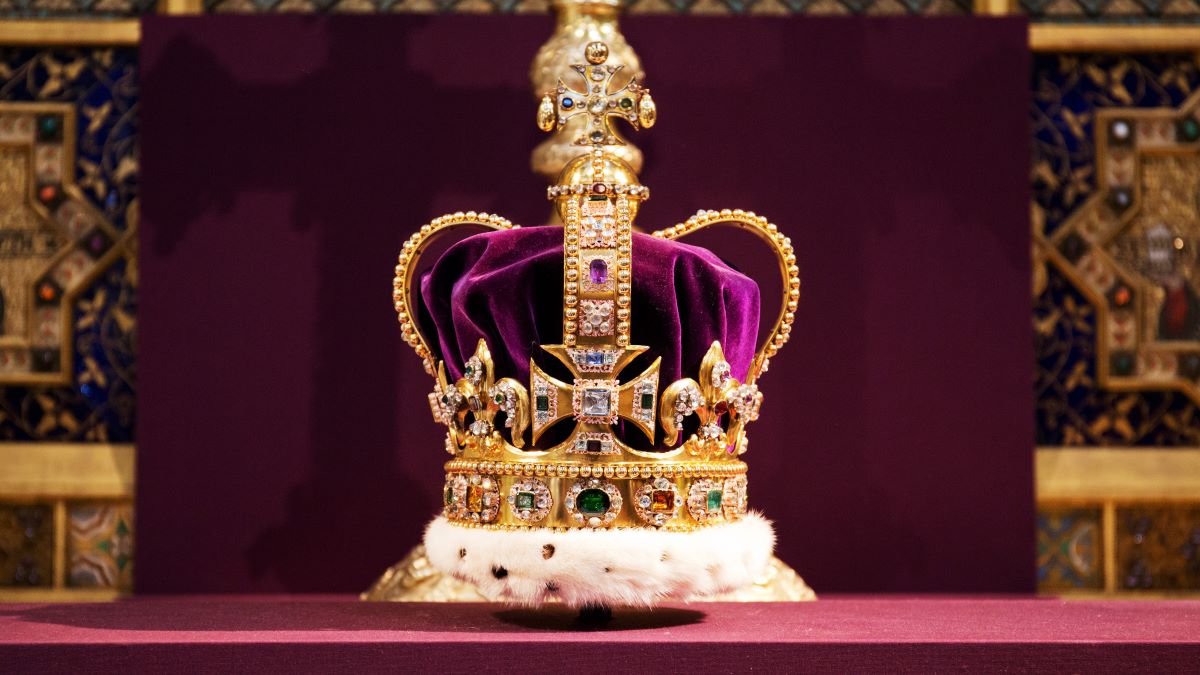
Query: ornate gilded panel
{"points": [[92, 9], [1158, 547], [100, 545], [1111, 11], [68, 129], [26, 545], [1113, 255], [1069, 549], [804, 7]]}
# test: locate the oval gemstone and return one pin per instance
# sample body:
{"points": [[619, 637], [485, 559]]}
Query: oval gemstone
{"points": [[598, 271], [592, 502], [568, 103]]}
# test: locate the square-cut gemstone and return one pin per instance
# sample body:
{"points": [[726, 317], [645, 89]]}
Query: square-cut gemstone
{"points": [[596, 402], [647, 401], [662, 500], [524, 500], [475, 498], [593, 445], [595, 358], [449, 496], [714, 500], [542, 403], [592, 502]]}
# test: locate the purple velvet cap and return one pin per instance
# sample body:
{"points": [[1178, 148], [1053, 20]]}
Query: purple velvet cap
{"points": [[506, 287]]}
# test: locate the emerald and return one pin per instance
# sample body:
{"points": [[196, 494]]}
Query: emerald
{"points": [[524, 500], [498, 398], [449, 496], [714, 500], [592, 502], [627, 103], [647, 401], [542, 403]]}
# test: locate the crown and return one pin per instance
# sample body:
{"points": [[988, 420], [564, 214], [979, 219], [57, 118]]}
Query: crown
{"points": [[586, 434]]}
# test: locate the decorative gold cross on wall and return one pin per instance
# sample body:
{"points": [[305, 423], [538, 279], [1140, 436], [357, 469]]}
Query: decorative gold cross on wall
{"points": [[596, 399]]}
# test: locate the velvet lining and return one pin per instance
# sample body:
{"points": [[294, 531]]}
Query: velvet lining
{"points": [[506, 287]]}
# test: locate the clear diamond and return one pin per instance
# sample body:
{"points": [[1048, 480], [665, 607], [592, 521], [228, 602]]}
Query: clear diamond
{"points": [[596, 402]]}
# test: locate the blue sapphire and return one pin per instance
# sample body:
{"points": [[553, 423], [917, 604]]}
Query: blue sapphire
{"points": [[595, 358], [568, 103]]}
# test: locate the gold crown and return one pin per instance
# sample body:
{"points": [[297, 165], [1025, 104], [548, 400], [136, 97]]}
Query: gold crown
{"points": [[500, 476]]}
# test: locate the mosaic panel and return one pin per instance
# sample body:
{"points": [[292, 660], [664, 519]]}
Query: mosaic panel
{"points": [[1070, 549], [100, 87], [91, 9], [26, 545], [1091, 278], [1111, 11], [713, 7], [1158, 548], [100, 545]]}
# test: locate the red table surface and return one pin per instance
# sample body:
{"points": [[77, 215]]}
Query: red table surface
{"points": [[323, 633]]}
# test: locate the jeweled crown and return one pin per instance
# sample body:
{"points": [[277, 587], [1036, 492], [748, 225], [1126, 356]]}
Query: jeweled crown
{"points": [[560, 452]]}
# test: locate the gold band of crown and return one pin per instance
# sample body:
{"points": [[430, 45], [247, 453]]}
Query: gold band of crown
{"points": [[593, 476], [517, 495]]}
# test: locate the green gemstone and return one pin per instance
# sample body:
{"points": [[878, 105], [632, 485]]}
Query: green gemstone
{"points": [[627, 103], [498, 398], [597, 198], [524, 500], [714, 500], [647, 401], [469, 371], [1190, 129], [449, 496], [542, 403], [592, 502]]}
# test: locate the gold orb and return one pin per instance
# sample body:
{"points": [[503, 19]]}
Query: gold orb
{"points": [[596, 52]]}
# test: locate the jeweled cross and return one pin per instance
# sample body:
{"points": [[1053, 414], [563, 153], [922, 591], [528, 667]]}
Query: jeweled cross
{"points": [[631, 102], [595, 399]]}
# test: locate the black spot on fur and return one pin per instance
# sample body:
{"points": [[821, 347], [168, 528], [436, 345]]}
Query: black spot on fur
{"points": [[462, 553], [607, 569], [499, 572], [551, 587], [548, 551], [664, 557]]}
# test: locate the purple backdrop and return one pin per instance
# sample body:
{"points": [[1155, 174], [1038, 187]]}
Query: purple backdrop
{"points": [[284, 442]]}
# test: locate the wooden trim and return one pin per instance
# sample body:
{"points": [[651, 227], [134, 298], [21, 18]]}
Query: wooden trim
{"points": [[1117, 474], [62, 32], [1108, 531], [71, 470], [180, 7], [1045, 37], [992, 7]]}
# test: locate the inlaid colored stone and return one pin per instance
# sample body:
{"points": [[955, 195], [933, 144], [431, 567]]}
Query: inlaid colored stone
{"points": [[596, 402], [475, 498], [542, 403], [647, 400], [597, 136], [714, 500], [593, 445], [662, 500], [592, 502], [525, 500], [627, 103], [449, 496], [568, 103], [595, 358], [598, 271], [1189, 129]]}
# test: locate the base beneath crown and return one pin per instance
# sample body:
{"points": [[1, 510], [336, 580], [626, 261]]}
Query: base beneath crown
{"points": [[618, 567]]}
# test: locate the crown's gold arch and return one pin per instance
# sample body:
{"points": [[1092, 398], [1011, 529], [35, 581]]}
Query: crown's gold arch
{"points": [[789, 272], [407, 266]]}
